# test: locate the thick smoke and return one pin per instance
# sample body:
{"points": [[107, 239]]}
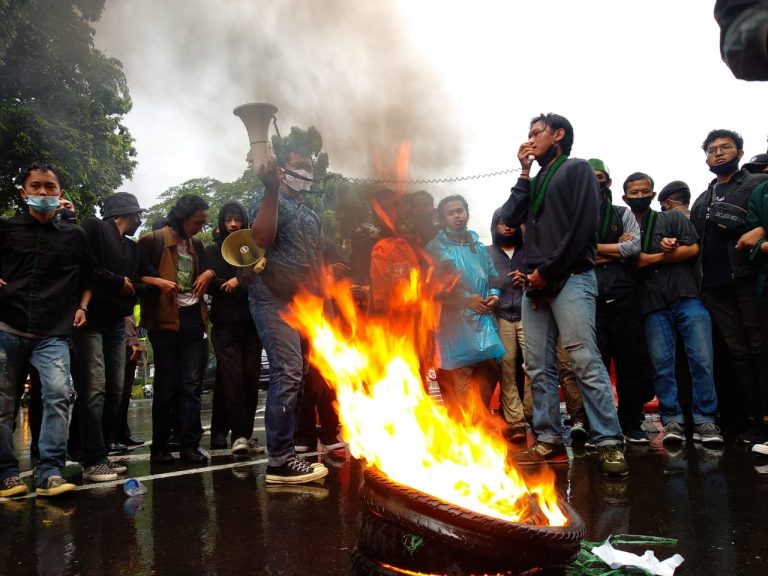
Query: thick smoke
{"points": [[344, 66]]}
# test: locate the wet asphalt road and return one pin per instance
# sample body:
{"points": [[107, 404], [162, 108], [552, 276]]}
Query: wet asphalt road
{"points": [[223, 520]]}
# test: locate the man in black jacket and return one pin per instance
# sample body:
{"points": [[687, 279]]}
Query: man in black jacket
{"points": [[508, 256], [728, 277], [560, 210], [100, 345], [44, 266]]}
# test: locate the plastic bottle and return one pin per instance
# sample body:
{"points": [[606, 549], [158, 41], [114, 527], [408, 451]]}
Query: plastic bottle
{"points": [[133, 487]]}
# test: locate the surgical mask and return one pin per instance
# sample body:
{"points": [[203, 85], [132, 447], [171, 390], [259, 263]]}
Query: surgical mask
{"points": [[639, 204], [43, 204], [726, 168], [299, 180]]}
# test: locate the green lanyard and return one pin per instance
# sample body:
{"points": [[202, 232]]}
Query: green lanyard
{"points": [[608, 206], [648, 232], [540, 191]]}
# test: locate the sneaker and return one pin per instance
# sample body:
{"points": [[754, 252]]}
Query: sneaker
{"points": [[515, 434], [333, 444], [673, 432], [12, 486], [612, 461], [218, 441], [579, 432], [761, 448], [240, 447], [99, 473], [254, 447], [636, 436], [542, 452], [590, 445], [295, 471], [707, 433], [55, 485], [117, 467]]}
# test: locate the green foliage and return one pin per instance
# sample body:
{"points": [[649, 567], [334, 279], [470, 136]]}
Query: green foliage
{"points": [[61, 100]]}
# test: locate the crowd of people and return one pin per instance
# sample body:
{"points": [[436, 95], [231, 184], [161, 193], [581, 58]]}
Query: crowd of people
{"points": [[571, 287]]}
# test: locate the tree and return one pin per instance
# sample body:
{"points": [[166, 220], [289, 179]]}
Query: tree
{"points": [[61, 100]]}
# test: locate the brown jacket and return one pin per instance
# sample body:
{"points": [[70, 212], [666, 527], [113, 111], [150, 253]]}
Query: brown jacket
{"points": [[159, 312]]}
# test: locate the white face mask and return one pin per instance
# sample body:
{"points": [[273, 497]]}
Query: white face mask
{"points": [[302, 182]]}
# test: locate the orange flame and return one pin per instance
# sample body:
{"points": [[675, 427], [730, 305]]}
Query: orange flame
{"points": [[389, 420]]}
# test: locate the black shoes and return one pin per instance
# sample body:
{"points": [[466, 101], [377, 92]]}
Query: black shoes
{"points": [[161, 456], [193, 455]]}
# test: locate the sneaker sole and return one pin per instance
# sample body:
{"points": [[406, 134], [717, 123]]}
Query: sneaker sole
{"points": [[63, 489], [316, 474], [240, 452], [557, 460], [119, 469], [637, 440], [760, 449], [332, 447], [710, 440], [15, 491], [674, 439], [100, 477]]}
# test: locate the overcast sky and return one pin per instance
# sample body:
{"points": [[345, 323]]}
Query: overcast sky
{"points": [[642, 83]]}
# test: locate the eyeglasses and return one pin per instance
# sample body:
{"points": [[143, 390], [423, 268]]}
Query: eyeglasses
{"points": [[725, 148], [537, 132]]}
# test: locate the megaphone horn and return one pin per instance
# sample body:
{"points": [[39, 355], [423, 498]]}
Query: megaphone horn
{"points": [[256, 117], [239, 249]]}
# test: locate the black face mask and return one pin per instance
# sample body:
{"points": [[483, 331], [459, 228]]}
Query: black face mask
{"points": [[66, 215], [550, 155], [727, 168], [639, 204]]}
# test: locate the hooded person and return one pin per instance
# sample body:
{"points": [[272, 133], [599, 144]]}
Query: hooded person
{"points": [[508, 255], [235, 342]]}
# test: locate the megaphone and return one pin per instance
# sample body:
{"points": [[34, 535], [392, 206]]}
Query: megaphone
{"points": [[256, 118], [241, 251]]}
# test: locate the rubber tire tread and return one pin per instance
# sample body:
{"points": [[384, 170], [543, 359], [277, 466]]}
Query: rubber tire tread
{"points": [[512, 545]]}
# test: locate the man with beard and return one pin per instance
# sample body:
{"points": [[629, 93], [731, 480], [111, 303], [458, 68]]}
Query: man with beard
{"points": [[100, 345], [508, 255], [728, 277], [560, 209], [619, 336], [669, 304]]}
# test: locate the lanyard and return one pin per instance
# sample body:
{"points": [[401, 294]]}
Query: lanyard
{"points": [[648, 232]]}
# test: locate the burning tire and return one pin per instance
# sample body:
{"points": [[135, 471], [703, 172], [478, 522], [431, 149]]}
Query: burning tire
{"points": [[500, 544]]}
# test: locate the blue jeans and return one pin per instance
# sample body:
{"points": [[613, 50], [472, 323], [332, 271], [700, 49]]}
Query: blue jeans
{"points": [[99, 384], [286, 370], [571, 315], [690, 317], [50, 356]]}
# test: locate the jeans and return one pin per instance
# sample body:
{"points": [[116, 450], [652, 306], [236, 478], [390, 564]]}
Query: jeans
{"points": [[691, 319], [571, 315], [178, 381], [99, 384], [286, 370], [50, 356]]}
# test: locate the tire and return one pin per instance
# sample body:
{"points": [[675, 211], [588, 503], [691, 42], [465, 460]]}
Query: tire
{"points": [[361, 565], [382, 540], [508, 545]]}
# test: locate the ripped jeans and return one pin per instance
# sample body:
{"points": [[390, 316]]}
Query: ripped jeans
{"points": [[571, 316], [50, 356]]}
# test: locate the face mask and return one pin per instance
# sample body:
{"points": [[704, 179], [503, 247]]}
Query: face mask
{"points": [[727, 168], [549, 156], [132, 230], [301, 181], [67, 215], [43, 204], [639, 204]]}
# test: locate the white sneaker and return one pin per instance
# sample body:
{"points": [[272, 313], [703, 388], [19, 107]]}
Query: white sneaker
{"points": [[240, 447], [117, 467], [760, 448], [99, 473], [254, 447]]}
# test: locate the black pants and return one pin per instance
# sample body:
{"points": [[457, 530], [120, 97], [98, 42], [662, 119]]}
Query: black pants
{"points": [[736, 311], [178, 380], [238, 366], [620, 338]]}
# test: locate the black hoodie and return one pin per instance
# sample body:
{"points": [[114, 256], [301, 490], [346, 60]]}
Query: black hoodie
{"points": [[511, 298], [227, 308]]}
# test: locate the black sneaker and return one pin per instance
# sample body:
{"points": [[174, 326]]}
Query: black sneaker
{"points": [[673, 432], [636, 436], [295, 471], [579, 431]]}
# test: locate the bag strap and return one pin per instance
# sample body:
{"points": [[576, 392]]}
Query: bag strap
{"points": [[157, 247], [648, 232]]}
